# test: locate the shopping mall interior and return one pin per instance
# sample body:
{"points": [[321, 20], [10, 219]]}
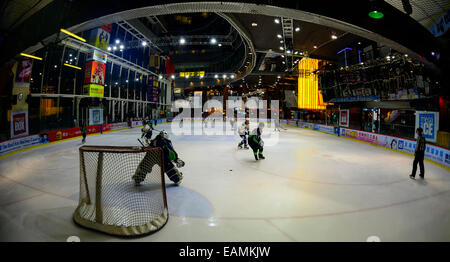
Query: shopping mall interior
{"points": [[341, 87]]}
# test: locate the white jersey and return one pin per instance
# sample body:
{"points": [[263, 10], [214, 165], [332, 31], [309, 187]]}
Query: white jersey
{"points": [[242, 130], [146, 128]]}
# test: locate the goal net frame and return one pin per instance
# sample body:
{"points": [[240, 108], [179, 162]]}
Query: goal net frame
{"points": [[93, 219]]}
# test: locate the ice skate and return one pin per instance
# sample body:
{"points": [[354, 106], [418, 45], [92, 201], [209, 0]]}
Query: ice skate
{"points": [[261, 157], [246, 147], [239, 146]]}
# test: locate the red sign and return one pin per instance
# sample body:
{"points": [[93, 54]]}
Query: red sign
{"points": [[344, 118], [19, 124]]}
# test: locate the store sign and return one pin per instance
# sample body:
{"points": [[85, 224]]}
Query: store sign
{"points": [[19, 124], [429, 122], [93, 90], [95, 55], [95, 116], [192, 74], [344, 117]]}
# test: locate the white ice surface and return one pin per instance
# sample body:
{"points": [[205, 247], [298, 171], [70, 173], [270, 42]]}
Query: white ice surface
{"points": [[311, 187]]}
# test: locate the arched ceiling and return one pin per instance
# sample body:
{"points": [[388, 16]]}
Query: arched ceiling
{"points": [[46, 17]]}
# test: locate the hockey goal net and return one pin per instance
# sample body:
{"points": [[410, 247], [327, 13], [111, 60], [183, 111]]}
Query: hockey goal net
{"points": [[109, 199]]}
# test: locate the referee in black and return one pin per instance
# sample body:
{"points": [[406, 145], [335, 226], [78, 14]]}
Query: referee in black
{"points": [[419, 154]]}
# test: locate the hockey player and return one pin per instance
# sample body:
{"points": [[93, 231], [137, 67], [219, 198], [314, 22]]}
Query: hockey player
{"points": [[83, 133], [147, 132], [170, 157], [243, 132], [256, 143]]}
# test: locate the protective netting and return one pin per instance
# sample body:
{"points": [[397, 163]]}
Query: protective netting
{"points": [[110, 199]]}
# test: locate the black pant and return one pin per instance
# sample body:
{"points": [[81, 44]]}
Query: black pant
{"points": [[418, 159]]}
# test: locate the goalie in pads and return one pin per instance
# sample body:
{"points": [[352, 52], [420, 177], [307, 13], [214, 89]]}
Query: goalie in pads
{"points": [[170, 157]]}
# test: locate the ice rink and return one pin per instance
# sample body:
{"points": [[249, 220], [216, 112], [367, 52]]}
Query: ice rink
{"points": [[311, 187]]}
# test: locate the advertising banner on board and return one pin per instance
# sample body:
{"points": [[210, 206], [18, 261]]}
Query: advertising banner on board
{"points": [[19, 124], [136, 123], [23, 142], [429, 122], [344, 117], [436, 153], [95, 116]]}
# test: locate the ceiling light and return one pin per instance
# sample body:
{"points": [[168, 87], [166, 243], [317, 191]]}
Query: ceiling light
{"points": [[144, 43], [213, 41], [288, 51], [121, 47], [281, 41], [216, 76], [160, 77], [254, 24], [114, 47], [182, 41], [279, 36], [281, 48], [359, 43], [173, 76], [232, 76], [224, 76], [297, 29], [296, 52], [276, 20], [219, 44], [315, 47], [333, 36], [117, 41], [109, 48], [376, 14], [72, 35], [187, 76], [31, 56]]}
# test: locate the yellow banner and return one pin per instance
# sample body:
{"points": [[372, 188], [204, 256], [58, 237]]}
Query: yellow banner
{"points": [[93, 90]]}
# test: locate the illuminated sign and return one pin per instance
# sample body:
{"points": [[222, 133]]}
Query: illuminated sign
{"points": [[93, 90], [309, 96], [94, 73], [193, 74], [95, 55]]}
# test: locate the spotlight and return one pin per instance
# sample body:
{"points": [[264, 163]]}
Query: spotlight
{"points": [[297, 29], [182, 41], [224, 76], [279, 36], [219, 44], [216, 76], [122, 47], [173, 76], [114, 48], [281, 48], [254, 24], [144, 43], [333, 36], [117, 41], [109, 48], [315, 47], [213, 41], [232, 76], [276, 20]]}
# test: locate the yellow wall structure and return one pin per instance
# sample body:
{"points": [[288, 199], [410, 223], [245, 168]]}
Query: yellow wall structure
{"points": [[309, 96]]}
